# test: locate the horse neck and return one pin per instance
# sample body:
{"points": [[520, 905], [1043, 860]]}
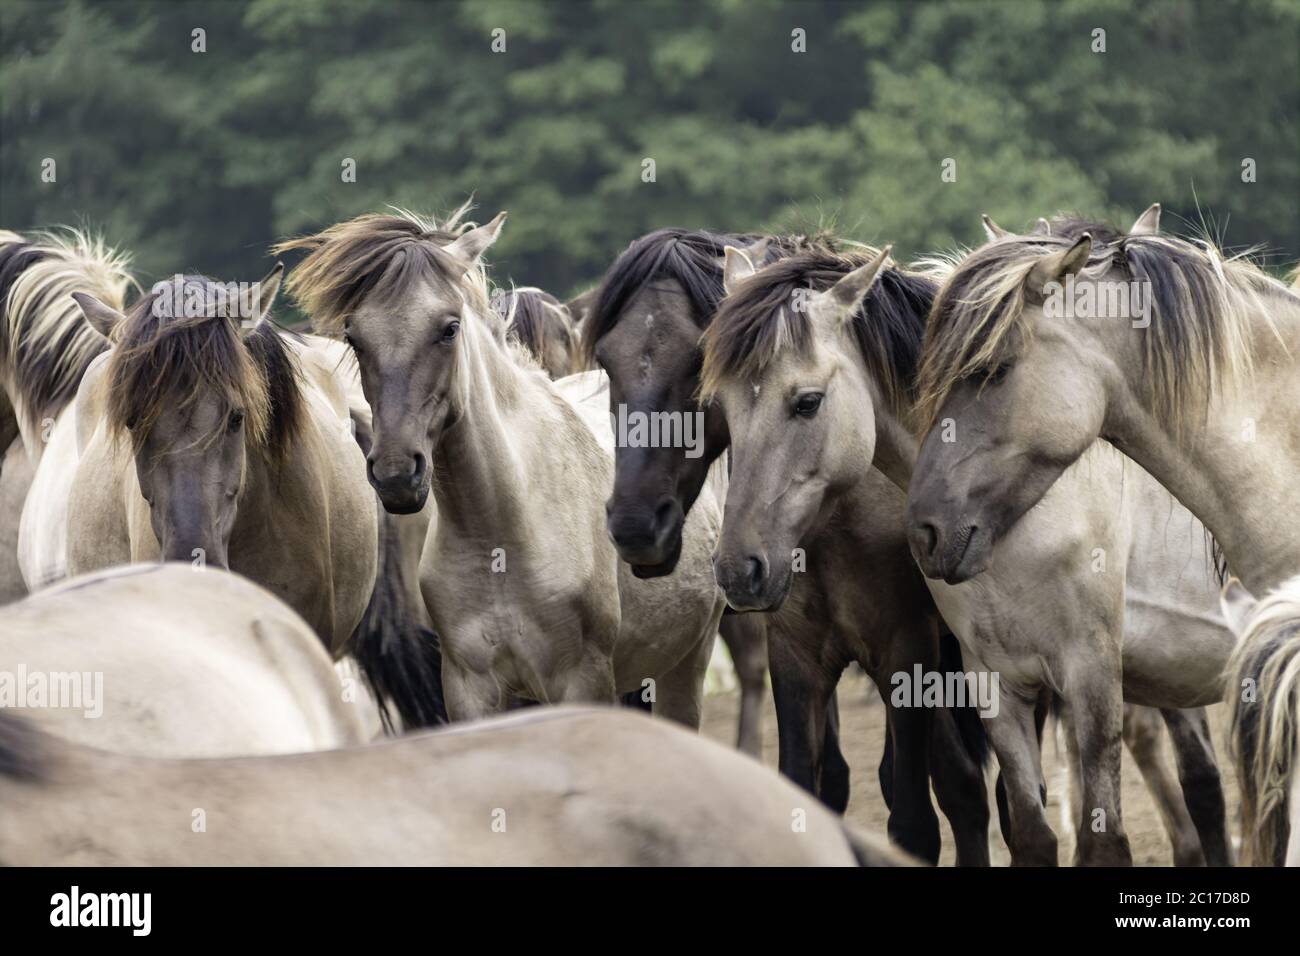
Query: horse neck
{"points": [[897, 446], [1234, 467], [481, 477]]}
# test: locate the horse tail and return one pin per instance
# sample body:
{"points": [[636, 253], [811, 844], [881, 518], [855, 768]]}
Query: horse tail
{"points": [[1264, 737], [398, 653]]}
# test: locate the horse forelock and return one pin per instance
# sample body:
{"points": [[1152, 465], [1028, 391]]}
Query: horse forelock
{"points": [[690, 258], [377, 254], [46, 344], [162, 360], [757, 322], [1201, 304]]}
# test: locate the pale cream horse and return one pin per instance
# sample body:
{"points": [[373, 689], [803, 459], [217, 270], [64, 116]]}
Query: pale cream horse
{"points": [[1200, 391], [199, 440], [525, 589], [45, 347], [1265, 702], [846, 375], [554, 786], [166, 661]]}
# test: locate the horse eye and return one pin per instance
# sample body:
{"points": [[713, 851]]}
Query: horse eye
{"points": [[806, 405], [450, 332], [999, 373], [236, 420]]}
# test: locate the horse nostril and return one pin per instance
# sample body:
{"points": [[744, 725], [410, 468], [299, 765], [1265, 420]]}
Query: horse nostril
{"points": [[757, 572], [370, 468], [418, 474], [929, 537]]}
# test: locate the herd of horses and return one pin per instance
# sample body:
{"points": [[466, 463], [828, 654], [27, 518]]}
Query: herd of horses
{"points": [[279, 556]]}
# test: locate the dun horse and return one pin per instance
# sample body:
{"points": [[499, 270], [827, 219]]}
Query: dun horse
{"points": [[1192, 389], [558, 787], [230, 447], [823, 389], [166, 661], [524, 588], [45, 348]]}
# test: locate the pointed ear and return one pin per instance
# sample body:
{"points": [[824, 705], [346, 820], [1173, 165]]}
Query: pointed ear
{"points": [[102, 318], [847, 294], [1058, 265], [992, 229], [1147, 224], [581, 304], [257, 300], [1043, 226], [756, 250], [1238, 605], [471, 245], [736, 267]]}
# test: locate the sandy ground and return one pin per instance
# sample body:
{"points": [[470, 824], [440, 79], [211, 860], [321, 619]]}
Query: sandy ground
{"points": [[862, 724]]}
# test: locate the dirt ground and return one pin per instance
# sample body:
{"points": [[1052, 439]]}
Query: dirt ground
{"points": [[862, 722]]}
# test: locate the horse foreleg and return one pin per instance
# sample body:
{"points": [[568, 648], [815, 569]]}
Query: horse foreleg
{"points": [[679, 693], [470, 695], [1014, 736], [804, 696], [746, 638], [913, 824], [1096, 713], [833, 781], [1144, 740], [1198, 772], [959, 787]]}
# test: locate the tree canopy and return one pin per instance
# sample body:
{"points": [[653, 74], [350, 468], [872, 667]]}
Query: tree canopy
{"points": [[896, 122]]}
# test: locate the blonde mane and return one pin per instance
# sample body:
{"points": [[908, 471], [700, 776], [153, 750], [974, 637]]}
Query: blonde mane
{"points": [[1267, 658], [1198, 340], [46, 343]]}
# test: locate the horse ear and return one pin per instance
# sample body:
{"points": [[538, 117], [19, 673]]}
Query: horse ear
{"points": [[256, 300], [102, 318], [1043, 226], [1238, 605], [736, 267], [847, 294], [1058, 265], [1147, 224], [580, 305], [471, 245], [992, 229]]}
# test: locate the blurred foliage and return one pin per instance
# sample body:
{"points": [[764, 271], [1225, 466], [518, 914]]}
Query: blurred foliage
{"points": [[199, 160]]}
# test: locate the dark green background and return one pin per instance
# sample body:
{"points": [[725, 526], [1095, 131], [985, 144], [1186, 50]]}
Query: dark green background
{"points": [[198, 161]]}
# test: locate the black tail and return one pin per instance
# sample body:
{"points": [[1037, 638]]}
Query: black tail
{"points": [[969, 723], [399, 656]]}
